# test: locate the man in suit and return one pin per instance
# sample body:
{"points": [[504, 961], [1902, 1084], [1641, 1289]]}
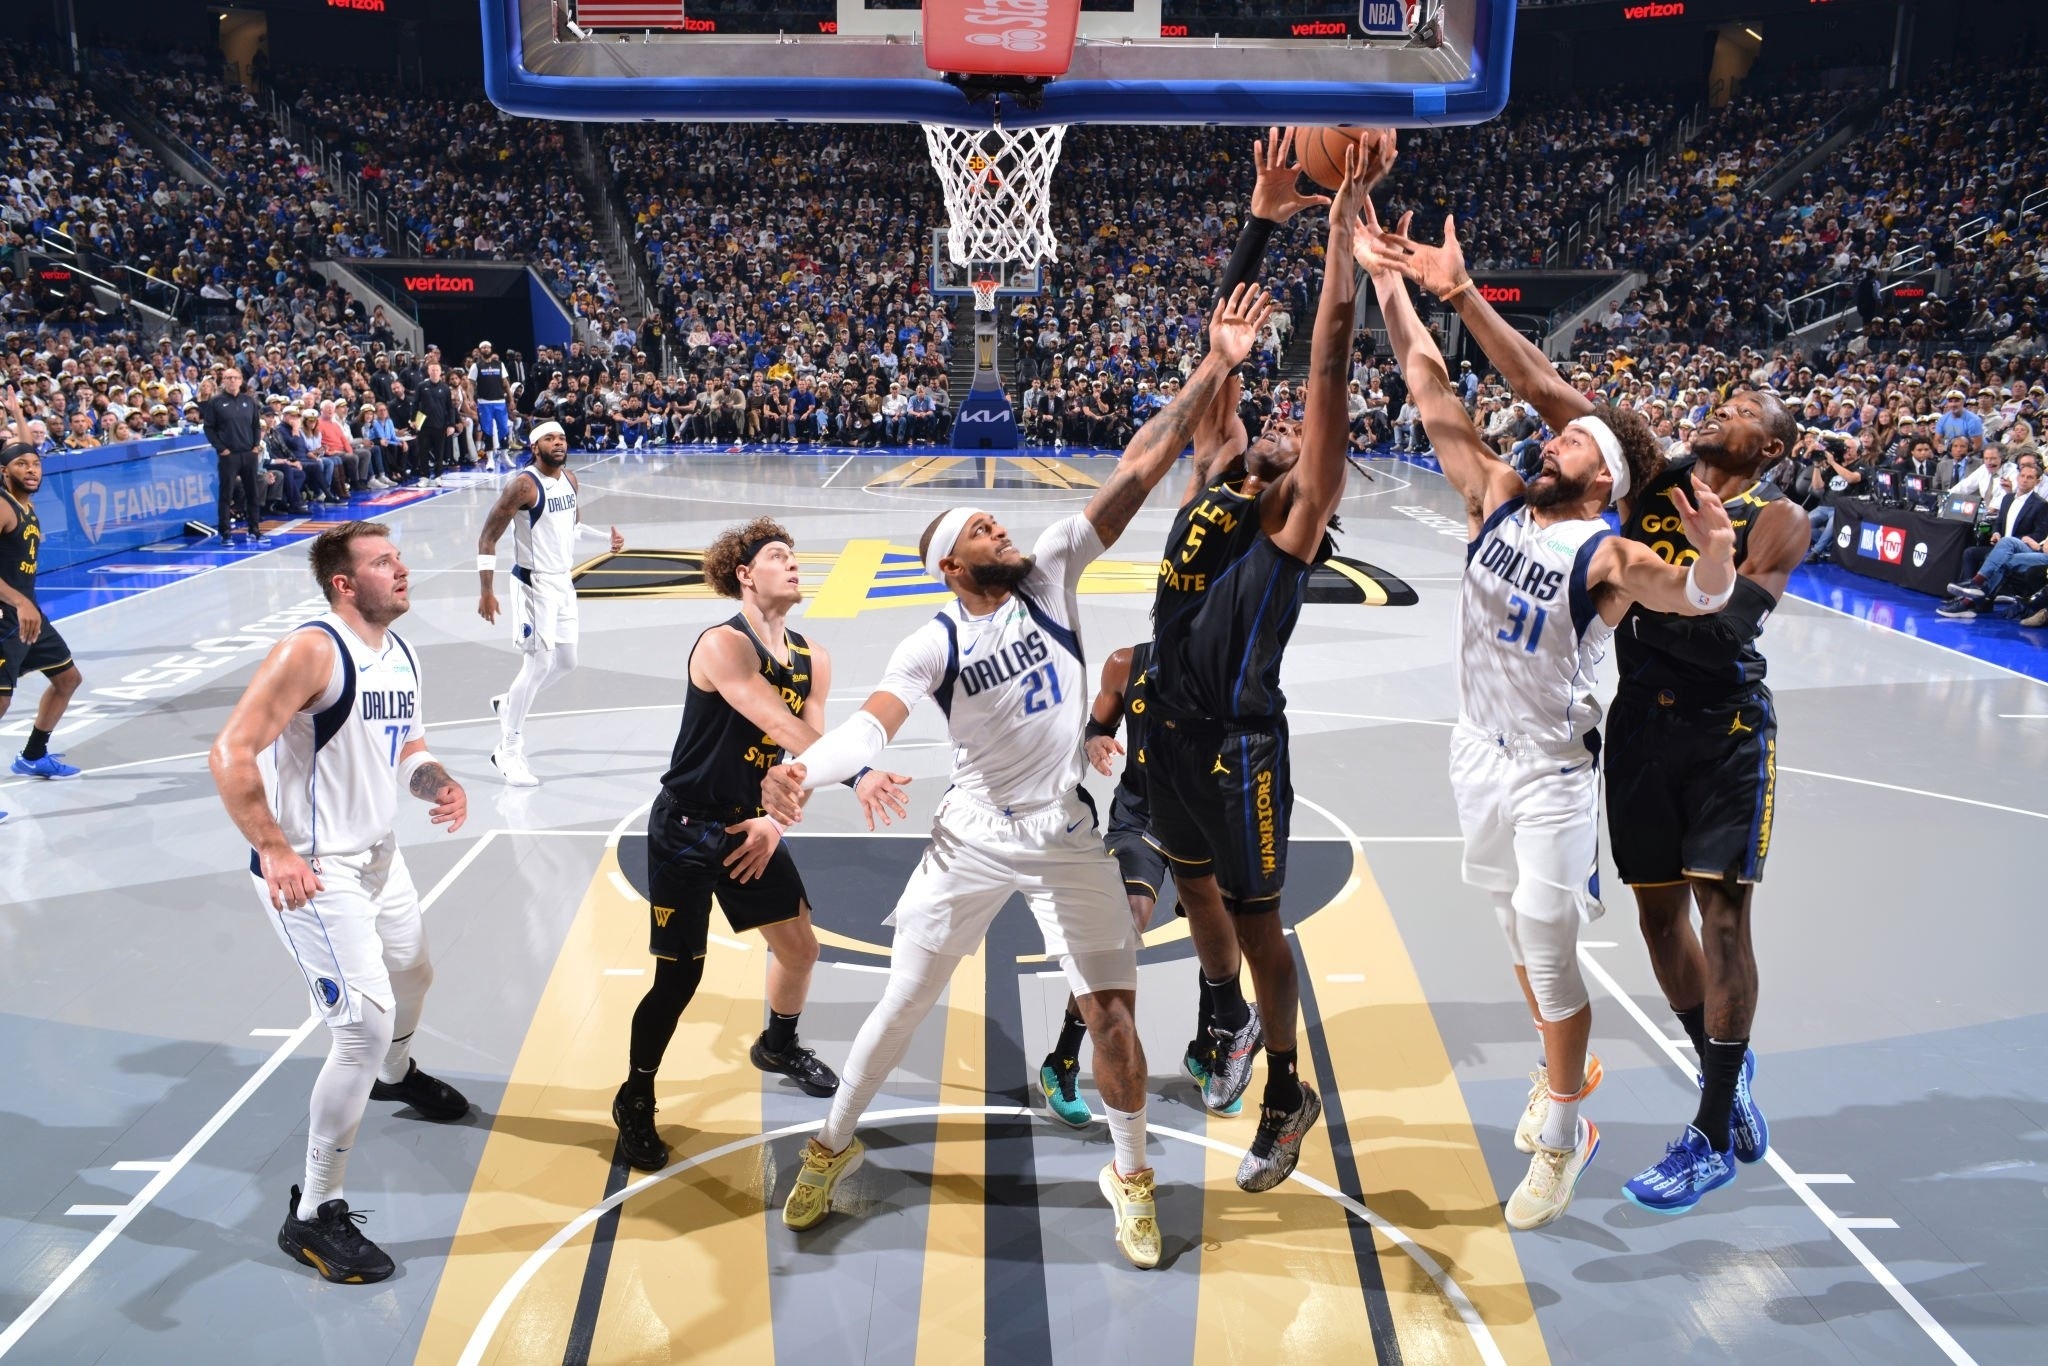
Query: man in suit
{"points": [[2019, 542]]}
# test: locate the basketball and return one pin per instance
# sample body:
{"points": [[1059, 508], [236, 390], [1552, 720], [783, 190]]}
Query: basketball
{"points": [[1320, 152]]}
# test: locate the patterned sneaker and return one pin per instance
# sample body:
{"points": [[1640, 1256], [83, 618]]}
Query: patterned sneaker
{"points": [[330, 1243], [810, 1199], [799, 1064], [1538, 1109], [1230, 1063], [49, 766], [1750, 1130], [1546, 1192], [1689, 1170], [1058, 1078], [639, 1144], [1196, 1065], [430, 1097], [1137, 1217], [1276, 1148], [512, 768]]}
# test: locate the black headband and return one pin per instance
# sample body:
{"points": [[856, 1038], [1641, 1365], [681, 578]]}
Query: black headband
{"points": [[755, 546], [14, 450]]}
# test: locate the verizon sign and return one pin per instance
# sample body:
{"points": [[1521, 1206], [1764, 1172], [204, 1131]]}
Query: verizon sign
{"points": [[1673, 10], [440, 283]]}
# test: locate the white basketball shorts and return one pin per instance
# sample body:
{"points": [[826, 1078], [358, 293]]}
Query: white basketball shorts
{"points": [[543, 611], [363, 925], [1527, 813], [1052, 855]]}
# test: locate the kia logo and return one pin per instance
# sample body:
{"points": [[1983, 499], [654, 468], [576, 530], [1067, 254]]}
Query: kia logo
{"points": [[986, 415]]}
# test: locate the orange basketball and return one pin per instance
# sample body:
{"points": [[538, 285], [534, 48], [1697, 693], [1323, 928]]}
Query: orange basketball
{"points": [[1320, 152]]}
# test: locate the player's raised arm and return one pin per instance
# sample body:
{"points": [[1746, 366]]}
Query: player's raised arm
{"points": [[291, 677], [1233, 328], [1220, 438], [1468, 465], [1637, 574], [1441, 271]]}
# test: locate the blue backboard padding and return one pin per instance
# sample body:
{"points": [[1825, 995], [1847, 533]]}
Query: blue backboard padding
{"points": [[761, 99]]}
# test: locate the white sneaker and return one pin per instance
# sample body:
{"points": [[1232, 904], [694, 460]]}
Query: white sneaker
{"points": [[511, 766], [1546, 1192], [1538, 1109]]}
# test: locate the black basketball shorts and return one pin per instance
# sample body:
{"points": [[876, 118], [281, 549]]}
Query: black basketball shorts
{"points": [[1691, 790], [48, 655], [1139, 860], [686, 867], [1221, 796]]}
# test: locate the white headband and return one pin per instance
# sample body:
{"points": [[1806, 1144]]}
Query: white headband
{"points": [[1610, 451], [946, 537], [545, 429]]}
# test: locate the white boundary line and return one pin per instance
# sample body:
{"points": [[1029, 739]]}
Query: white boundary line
{"points": [[123, 1215], [501, 1304], [1843, 1229], [1914, 792]]}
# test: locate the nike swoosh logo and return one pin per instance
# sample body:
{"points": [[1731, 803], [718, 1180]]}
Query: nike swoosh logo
{"points": [[1075, 826], [1573, 769], [969, 650]]}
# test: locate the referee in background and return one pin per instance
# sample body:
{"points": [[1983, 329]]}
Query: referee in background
{"points": [[232, 421]]}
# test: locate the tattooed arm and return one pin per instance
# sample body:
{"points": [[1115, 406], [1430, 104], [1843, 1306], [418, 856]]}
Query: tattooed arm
{"points": [[1233, 328], [430, 782]]}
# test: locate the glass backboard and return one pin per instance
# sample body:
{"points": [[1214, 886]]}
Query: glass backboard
{"points": [[1406, 63]]}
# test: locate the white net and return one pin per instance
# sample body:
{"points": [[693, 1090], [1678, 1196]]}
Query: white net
{"points": [[998, 185], [985, 294]]}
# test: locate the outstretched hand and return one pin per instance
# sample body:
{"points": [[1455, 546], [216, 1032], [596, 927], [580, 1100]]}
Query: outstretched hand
{"points": [[1440, 270], [1705, 519], [1276, 194], [1235, 325]]}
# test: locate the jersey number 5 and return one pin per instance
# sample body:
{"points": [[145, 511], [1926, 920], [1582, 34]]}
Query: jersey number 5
{"points": [[1526, 614], [1036, 684]]}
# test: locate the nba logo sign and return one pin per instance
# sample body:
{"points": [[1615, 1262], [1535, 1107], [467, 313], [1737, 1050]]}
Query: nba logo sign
{"points": [[1384, 18], [1866, 540], [1891, 545]]}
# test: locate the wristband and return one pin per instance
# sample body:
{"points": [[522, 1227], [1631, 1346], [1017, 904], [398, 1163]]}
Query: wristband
{"points": [[1104, 728], [409, 766], [1700, 598], [1455, 291], [854, 781], [487, 563]]}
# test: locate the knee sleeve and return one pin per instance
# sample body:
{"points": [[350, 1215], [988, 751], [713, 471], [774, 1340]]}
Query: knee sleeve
{"points": [[1547, 931], [917, 978], [675, 982], [1504, 912], [354, 1053], [562, 660], [1102, 970]]}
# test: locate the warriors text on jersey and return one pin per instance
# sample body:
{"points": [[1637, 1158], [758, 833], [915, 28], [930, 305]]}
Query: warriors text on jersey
{"points": [[1127, 806], [1528, 634], [720, 755], [544, 535], [18, 551], [1644, 640], [1012, 684], [1226, 603], [332, 777]]}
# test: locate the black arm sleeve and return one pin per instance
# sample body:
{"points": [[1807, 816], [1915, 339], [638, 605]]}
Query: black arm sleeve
{"points": [[1709, 639], [1251, 249]]}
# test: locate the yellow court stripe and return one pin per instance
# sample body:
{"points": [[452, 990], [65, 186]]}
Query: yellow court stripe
{"points": [[1423, 1171], [689, 1267], [951, 1305], [845, 590]]}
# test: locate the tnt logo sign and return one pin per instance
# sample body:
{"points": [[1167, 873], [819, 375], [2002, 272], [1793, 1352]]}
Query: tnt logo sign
{"points": [[1891, 545]]}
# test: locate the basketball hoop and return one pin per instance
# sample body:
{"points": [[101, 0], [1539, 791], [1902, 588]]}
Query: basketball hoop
{"points": [[985, 293], [998, 185]]}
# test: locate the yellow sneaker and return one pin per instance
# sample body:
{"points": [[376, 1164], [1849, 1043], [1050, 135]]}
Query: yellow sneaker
{"points": [[1137, 1219], [1538, 1110], [1546, 1192], [810, 1199]]}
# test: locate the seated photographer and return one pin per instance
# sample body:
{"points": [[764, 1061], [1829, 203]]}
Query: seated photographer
{"points": [[2019, 530], [1837, 475]]}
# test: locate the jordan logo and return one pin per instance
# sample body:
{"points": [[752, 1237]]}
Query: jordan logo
{"points": [[1735, 727], [1219, 766]]}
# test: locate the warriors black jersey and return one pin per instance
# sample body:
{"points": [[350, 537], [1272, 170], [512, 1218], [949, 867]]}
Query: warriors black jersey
{"points": [[1127, 807], [1645, 660], [720, 755], [18, 549], [1227, 601]]}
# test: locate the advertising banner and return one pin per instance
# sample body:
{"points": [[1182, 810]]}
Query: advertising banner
{"points": [[119, 498]]}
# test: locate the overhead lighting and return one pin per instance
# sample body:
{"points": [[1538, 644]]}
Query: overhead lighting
{"points": [[1750, 31]]}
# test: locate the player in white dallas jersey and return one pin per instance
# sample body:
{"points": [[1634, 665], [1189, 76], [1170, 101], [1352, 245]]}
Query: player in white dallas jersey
{"points": [[1545, 581], [1004, 662], [539, 504], [310, 765]]}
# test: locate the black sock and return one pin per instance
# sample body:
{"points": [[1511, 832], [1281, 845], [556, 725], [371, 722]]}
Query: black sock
{"points": [[1721, 1066], [1283, 1087], [780, 1033], [38, 744], [1205, 1008], [1071, 1033], [1226, 1003], [1695, 1022], [655, 1018]]}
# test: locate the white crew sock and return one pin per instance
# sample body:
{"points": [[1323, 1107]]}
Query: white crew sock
{"points": [[1127, 1130], [1561, 1125]]}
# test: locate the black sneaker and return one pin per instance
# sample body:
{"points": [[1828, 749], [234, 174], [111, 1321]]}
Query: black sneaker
{"points": [[430, 1097], [639, 1144], [1276, 1147], [331, 1245], [799, 1064]]}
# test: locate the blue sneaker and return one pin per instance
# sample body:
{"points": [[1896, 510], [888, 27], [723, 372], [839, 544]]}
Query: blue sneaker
{"points": [[1750, 1130], [1059, 1078], [49, 766], [1689, 1170]]}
